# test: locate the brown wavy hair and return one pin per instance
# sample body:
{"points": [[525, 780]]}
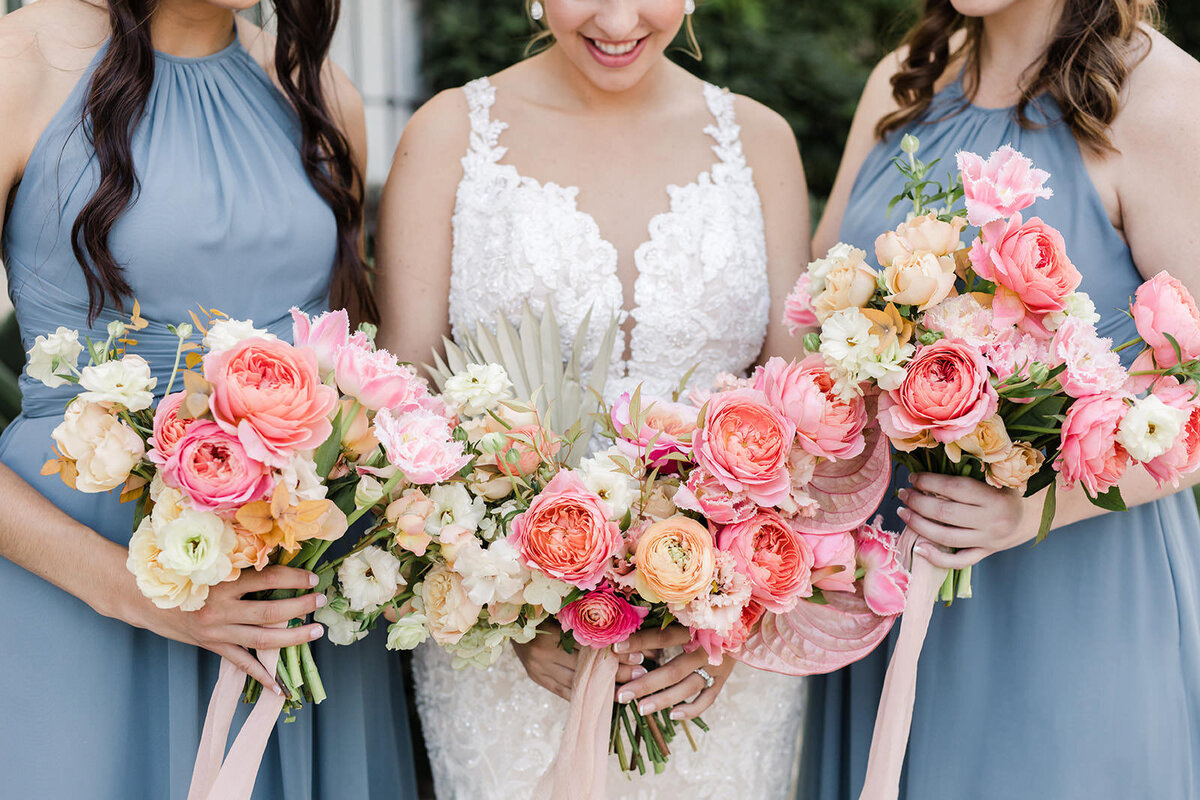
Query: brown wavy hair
{"points": [[1084, 68], [114, 104]]}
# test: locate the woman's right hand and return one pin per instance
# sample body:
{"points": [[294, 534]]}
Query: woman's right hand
{"points": [[553, 668], [231, 625]]}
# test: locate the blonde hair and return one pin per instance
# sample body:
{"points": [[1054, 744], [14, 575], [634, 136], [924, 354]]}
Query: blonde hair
{"points": [[543, 38]]}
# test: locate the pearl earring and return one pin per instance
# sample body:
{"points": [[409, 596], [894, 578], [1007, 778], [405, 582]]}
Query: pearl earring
{"points": [[537, 10], [689, 7]]}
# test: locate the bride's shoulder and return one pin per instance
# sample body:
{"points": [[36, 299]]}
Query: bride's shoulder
{"points": [[766, 136], [438, 131]]}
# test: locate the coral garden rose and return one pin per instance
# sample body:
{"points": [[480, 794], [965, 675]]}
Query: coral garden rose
{"points": [[1001, 186], [1090, 452], [566, 533], [675, 561], [665, 427], [601, 618], [270, 395], [885, 581], [103, 448], [945, 392], [212, 467], [1163, 305], [826, 425], [421, 445], [777, 560], [745, 444], [1013, 471], [1029, 265], [168, 428]]}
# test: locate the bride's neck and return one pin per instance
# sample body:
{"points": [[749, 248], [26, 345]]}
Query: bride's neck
{"points": [[191, 28], [580, 91], [1013, 42]]}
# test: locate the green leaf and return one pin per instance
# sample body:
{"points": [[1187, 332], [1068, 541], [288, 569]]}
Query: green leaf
{"points": [[1048, 508], [1109, 501], [327, 453]]}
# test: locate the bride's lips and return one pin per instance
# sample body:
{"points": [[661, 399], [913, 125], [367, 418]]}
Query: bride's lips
{"points": [[616, 54]]}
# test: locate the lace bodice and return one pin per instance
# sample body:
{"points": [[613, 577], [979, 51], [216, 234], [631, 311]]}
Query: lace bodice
{"points": [[701, 297]]}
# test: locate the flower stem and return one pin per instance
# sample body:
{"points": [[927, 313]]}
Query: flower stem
{"points": [[174, 369], [1128, 344], [309, 666], [964, 584]]}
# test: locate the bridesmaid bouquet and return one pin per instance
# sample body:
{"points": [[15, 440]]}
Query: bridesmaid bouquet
{"points": [[988, 364]]}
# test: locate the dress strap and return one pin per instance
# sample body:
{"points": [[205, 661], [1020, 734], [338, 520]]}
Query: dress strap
{"points": [[485, 132], [724, 130]]}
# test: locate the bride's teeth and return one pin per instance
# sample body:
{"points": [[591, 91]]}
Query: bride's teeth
{"points": [[619, 49]]}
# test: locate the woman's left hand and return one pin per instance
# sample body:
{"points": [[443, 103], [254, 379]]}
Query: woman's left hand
{"points": [[968, 516], [672, 684]]}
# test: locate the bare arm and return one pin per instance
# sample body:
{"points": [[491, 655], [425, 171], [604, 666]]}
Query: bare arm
{"points": [[414, 239]]}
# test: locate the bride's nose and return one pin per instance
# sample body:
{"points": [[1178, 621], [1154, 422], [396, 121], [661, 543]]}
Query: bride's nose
{"points": [[618, 19]]}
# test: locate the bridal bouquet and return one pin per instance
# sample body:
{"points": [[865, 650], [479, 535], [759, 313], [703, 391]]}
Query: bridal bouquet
{"points": [[989, 364]]}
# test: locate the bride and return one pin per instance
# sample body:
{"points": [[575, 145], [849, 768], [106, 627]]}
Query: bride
{"points": [[598, 175]]}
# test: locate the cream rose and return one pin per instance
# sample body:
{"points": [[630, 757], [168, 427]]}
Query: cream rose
{"points": [[989, 442], [850, 284], [1014, 470], [449, 611], [919, 279], [105, 450]]}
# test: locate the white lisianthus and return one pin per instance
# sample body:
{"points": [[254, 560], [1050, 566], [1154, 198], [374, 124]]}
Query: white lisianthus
{"points": [[223, 334], [606, 477], [407, 632], [163, 587], [478, 388], [491, 575], [126, 381], [368, 492], [854, 354], [1151, 428], [819, 269], [341, 628], [105, 450], [54, 356], [454, 505], [545, 592], [370, 578], [300, 477], [198, 545], [1077, 305]]}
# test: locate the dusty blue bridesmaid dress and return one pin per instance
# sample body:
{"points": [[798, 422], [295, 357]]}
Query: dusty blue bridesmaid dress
{"points": [[1074, 671], [225, 217]]}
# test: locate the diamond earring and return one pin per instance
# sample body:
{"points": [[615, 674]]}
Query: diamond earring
{"points": [[537, 10], [689, 7]]}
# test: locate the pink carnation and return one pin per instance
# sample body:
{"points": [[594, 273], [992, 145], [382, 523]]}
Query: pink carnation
{"points": [[1184, 457], [885, 581], [211, 467], [798, 311], [945, 392], [826, 425], [1091, 365], [601, 618], [1014, 351], [420, 445], [1162, 306], [707, 496], [1090, 452], [962, 317], [1001, 186], [745, 444]]}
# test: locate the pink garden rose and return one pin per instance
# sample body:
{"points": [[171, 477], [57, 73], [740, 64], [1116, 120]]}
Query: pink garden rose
{"points": [[777, 560], [211, 466], [945, 392], [421, 445], [798, 311], [886, 581], [1001, 186], [707, 496], [1163, 305], [566, 533], [666, 428], [1091, 365], [168, 428], [325, 334], [270, 395], [1029, 264], [601, 618], [376, 380], [745, 444], [1090, 453], [1184, 457], [831, 551], [826, 426]]}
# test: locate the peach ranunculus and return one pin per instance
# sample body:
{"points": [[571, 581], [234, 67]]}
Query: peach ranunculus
{"points": [[601, 618], [1163, 305], [566, 533], [252, 550], [1016, 467], [989, 442], [212, 468], [665, 428], [1029, 265], [675, 561], [103, 448], [270, 395], [358, 437], [850, 284], [777, 560], [1001, 186], [945, 392], [745, 443], [1090, 452], [449, 610], [826, 425], [1184, 457], [168, 428], [919, 279]]}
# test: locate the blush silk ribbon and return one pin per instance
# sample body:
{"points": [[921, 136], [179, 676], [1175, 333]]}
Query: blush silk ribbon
{"points": [[221, 776], [580, 768], [889, 741]]}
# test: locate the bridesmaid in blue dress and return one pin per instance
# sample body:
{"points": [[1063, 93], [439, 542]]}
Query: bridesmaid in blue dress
{"points": [[1074, 671], [237, 205]]}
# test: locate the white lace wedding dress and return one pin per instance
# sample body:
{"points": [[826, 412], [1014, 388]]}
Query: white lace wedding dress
{"points": [[701, 299]]}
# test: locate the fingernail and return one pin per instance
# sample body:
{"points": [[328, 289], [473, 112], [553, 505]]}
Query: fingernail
{"points": [[676, 715], [313, 580], [322, 601], [903, 514], [645, 708], [317, 632], [903, 495], [620, 647], [637, 658], [625, 697], [921, 551], [638, 672], [275, 688]]}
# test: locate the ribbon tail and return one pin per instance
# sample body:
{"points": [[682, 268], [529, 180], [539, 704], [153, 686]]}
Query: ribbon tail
{"points": [[240, 769], [221, 707], [889, 742], [580, 768]]}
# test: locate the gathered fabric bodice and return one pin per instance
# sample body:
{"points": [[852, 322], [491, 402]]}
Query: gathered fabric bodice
{"points": [[701, 297]]}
